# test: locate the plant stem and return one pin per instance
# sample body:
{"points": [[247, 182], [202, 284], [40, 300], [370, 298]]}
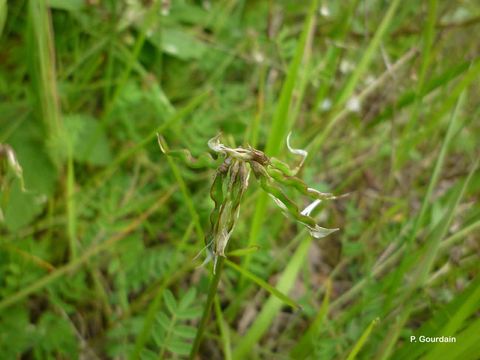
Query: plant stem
{"points": [[212, 291]]}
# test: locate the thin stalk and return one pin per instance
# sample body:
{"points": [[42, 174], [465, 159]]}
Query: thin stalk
{"points": [[212, 291]]}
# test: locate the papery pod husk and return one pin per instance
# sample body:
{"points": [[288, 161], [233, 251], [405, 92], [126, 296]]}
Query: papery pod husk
{"points": [[237, 182]]}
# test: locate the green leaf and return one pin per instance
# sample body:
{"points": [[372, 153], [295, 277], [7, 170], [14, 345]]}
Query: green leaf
{"points": [[83, 130], [21, 208], [170, 301], [191, 313], [187, 299], [55, 335], [163, 320], [179, 347], [178, 43], [185, 331], [39, 172]]}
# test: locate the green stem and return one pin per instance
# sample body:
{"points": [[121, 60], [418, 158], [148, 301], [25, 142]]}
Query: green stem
{"points": [[212, 291]]}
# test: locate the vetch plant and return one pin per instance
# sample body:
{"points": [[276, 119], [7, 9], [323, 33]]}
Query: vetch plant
{"points": [[232, 179], [233, 168]]}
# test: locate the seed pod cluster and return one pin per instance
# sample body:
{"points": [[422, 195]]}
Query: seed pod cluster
{"points": [[231, 181]]}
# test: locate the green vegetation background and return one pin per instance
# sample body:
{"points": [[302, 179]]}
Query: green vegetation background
{"points": [[96, 254]]}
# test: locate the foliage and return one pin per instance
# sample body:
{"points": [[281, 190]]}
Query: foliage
{"points": [[99, 230]]}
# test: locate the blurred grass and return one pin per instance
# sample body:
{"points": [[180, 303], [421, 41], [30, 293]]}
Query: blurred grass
{"points": [[96, 256]]}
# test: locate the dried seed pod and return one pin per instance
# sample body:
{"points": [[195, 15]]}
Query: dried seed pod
{"points": [[226, 212], [231, 182], [203, 161]]}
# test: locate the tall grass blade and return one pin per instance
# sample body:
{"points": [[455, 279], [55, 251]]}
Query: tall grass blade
{"points": [[428, 36], [431, 185], [367, 57], [43, 73], [305, 344], [280, 123], [333, 53], [363, 339], [273, 304], [427, 260], [263, 284], [456, 323], [3, 15], [224, 330], [402, 268]]}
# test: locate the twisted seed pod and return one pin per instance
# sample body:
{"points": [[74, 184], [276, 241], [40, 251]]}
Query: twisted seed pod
{"points": [[298, 184], [216, 194], [203, 161], [280, 165], [289, 207], [237, 182], [284, 202]]}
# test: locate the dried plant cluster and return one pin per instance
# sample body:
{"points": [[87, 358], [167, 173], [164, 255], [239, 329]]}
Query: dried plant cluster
{"points": [[231, 181]]}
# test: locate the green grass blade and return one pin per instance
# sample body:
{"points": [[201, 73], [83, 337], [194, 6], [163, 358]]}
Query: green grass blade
{"points": [[224, 330], [426, 200], [363, 339], [273, 304], [428, 36], [367, 57], [334, 52], [244, 251], [3, 15], [263, 284], [429, 254], [304, 345], [402, 268], [466, 346], [470, 76], [280, 124], [212, 293], [452, 126], [43, 73], [71, 207], [433, 243], [469, 307]]}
